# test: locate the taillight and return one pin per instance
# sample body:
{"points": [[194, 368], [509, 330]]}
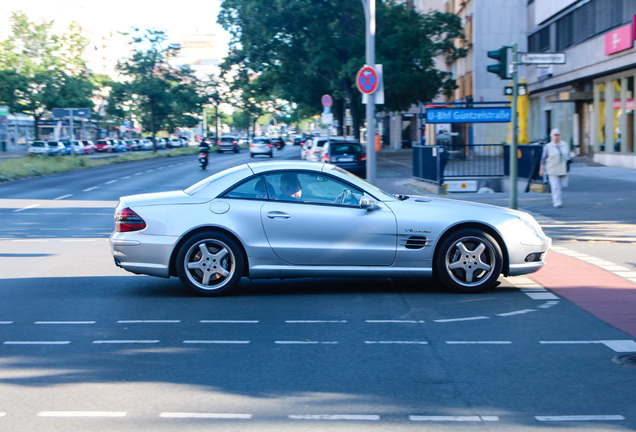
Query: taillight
{"points": [[326, 158], [269, 145], [127, 220], [363, 157]]}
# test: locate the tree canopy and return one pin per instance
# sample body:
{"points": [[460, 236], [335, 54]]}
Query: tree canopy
{"points": [[160, 95], [298, 50]]}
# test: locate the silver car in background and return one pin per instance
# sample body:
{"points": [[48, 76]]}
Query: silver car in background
{"points": [[251, 220]]}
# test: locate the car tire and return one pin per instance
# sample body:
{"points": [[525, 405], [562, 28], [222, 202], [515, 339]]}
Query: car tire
{"points": [[468, 261], [211, 264]]}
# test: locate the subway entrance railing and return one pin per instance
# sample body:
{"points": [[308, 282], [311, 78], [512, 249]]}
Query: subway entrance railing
{"points": [[439, 164]]}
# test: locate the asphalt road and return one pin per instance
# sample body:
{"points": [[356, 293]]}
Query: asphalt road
{"points": [[85, 345]]}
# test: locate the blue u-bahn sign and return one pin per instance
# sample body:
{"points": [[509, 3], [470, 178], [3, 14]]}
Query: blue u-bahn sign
{"points": [[468, 115]]}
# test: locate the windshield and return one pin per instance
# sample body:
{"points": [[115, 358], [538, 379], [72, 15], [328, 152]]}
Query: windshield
{"points": [[372, 189]]}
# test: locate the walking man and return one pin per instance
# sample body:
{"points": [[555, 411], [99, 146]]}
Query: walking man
{"points": [[554, 163]]}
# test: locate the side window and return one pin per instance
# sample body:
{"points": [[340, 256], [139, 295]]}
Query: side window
{"points": [[314, 188], [254, 188]]}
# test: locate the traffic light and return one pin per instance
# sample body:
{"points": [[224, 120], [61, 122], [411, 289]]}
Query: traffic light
{"points": [[501, 68]]}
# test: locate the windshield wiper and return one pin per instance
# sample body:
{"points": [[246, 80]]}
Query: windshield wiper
{"points": [[403, 197]]}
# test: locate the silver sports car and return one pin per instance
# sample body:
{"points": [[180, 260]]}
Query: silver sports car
{"points": [[289, 219]]}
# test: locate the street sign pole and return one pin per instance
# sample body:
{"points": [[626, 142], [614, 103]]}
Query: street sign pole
{"points": [[369, 12], [514, 118]]}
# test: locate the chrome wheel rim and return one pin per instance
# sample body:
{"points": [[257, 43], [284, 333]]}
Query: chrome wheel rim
{"points": [[470, 261], [210, 264]]}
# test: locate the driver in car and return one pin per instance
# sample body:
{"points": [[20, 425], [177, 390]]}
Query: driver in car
{"points": [[290, 187]]}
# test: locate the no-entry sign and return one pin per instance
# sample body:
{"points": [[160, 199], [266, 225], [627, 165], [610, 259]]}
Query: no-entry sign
{"points": [[367, 80]]}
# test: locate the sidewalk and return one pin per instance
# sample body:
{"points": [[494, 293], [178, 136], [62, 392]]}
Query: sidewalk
{"points": [[599, 205]]}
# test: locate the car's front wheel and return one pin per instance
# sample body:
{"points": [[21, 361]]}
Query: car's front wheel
{"points": [[468, 261], [211, 264]]}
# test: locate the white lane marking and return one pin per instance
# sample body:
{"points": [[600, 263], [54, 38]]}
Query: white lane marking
{"points": [[26, 208], [229, 321], [64, 322], [6, 322], [616, 269], [125, 341], [461, 319], [234, 342], [478, 342], [616, 345], [36, 342], [305, 343], [63, 196], [150, 170], [396, 342], [316, 321], [90, 189], [78, 240], [548, 304], [542, 296], [472, 418], [139, 173], [82, 414], [395, 321], [519, 312], [127, 177], [569, 418], [189, 415], [351, 417], [55, 229], [148, 321], [111, 181]]}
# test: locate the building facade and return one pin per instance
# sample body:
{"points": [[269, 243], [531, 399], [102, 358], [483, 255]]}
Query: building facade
{"points": [[590, 97]]}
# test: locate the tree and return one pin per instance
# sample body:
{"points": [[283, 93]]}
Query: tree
{"points": [[41, 71], [160, 95], [298, 50]]}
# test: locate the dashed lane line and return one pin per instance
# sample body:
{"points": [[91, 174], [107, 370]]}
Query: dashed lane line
{"points": [[473, 418]]}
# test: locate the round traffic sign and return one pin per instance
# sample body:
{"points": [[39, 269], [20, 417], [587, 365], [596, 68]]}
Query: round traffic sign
{"points": [[326, 100], [367, 80]]}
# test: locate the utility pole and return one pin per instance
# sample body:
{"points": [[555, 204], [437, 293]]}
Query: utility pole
{"points": [[513, 148], [369, 13]]}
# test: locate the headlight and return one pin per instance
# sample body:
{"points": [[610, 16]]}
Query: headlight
{"points": [[532, 223]]}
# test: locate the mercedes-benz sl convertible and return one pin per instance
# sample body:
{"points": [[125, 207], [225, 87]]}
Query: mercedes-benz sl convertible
{"points": [[287, 219]]}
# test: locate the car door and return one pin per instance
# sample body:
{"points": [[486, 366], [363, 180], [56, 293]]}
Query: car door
{"points": [[321, 229]]}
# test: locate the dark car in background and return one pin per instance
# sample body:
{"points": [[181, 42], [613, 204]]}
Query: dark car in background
{"points": [[348, 155], [228, 143]]}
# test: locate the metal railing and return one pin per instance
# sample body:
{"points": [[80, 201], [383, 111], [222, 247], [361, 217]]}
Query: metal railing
{"points": [[439, 163]]}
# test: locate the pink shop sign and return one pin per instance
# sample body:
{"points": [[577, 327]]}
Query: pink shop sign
{"points": [[619, 40]]}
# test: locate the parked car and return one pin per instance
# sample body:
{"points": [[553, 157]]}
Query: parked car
{"points": [[145, 144], [38, 147], [161, 143], [56, 148], [119, 146], [72, 146], [251, 220], [313, 152], [173, 142], [348, 155], [132, 144], [104, 146], [262, 146], [228, 143], [89, 147]]}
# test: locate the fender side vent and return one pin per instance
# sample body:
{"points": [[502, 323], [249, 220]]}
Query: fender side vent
{"points": [[416, 242]]}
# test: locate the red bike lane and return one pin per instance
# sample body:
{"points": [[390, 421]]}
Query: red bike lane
{"points": [[605, 295]]}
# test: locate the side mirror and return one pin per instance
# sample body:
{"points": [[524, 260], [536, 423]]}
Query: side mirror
{"points": [[369, 204]]}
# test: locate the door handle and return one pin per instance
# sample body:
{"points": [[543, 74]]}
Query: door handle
{"points": [[278, 215]]}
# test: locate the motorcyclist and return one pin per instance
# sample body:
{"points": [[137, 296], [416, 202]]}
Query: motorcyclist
{"points": [[204, 146]]}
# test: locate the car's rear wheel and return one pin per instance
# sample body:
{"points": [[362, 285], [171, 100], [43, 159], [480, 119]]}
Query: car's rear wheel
{"points": [[211, 264], [468, 261]]}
